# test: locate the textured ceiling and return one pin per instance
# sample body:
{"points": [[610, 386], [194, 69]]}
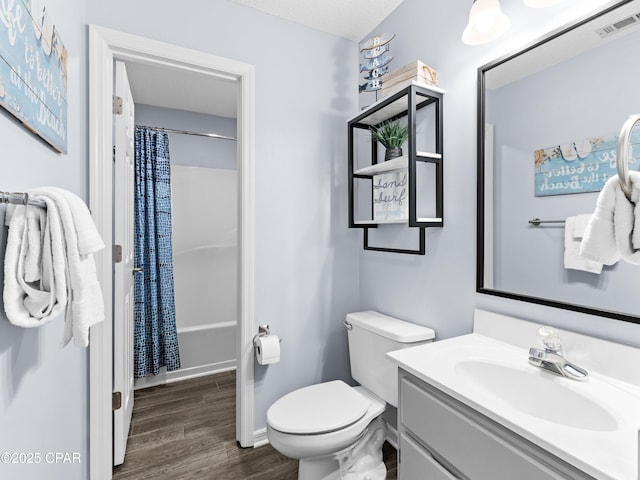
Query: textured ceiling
{"points": [[350, 19]]}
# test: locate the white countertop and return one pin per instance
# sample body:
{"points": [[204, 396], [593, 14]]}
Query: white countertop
{"points": [[606, 451]]}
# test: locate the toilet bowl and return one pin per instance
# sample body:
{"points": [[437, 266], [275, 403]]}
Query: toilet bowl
{"points": [[302, 423], [335, 430]]}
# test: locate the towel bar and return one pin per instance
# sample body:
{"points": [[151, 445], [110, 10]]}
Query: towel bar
{"points": [[20, 198], [537, 221]]}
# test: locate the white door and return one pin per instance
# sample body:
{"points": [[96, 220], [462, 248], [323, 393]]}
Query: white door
{"points": [[123, 271]]}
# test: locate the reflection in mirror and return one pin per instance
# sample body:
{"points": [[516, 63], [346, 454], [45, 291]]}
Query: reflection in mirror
{"points": [[549, 120]]}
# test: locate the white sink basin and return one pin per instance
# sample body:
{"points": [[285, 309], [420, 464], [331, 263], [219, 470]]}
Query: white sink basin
{"points": [[538, 393]]}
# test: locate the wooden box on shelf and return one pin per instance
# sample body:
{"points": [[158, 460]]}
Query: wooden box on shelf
{"points": [[413, 72]]}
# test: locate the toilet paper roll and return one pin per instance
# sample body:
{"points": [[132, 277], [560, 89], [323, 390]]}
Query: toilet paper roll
{"points": [[267, 349]]}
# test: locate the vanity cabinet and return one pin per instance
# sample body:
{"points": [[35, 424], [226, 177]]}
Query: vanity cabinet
{"points": [[421, 108], [443, 439]]}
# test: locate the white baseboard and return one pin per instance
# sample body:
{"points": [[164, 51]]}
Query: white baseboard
{"points": [[392, 436], [165, 377], [260, 438]]}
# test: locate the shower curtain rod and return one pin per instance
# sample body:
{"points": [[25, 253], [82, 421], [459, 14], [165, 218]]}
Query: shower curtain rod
{"points": [[187, 132]]}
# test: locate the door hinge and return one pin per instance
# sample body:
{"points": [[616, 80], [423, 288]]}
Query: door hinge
{"points": [[114, 154], [116, 400], [117, 105], [117, 253]]}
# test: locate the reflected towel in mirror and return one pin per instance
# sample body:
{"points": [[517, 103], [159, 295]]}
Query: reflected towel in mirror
{"points": [[574, 229]]}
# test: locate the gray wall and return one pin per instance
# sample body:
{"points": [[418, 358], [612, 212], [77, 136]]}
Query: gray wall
{"points": [[439, 289], [191, 150], [43, 389]]}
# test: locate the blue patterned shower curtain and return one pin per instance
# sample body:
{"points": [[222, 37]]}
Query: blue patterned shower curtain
{"points": [[155, 337]]}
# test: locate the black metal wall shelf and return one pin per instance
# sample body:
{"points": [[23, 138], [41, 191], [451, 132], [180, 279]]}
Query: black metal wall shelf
{"points": [[404, 103]]}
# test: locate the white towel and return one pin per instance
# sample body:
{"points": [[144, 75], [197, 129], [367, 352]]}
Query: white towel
{"points": [[608, 236], [580, 223], [574, 228], [68, 274], [35, 222], [34, 304]]}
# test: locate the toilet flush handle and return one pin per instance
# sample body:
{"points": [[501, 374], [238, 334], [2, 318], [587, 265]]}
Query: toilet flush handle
{"points": [[347, 324]]}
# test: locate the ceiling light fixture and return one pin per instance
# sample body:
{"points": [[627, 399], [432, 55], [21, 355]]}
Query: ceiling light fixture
{"points": [[486, 22], [540, 3]]}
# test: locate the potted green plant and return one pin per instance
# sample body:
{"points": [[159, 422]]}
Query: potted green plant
{"points": [[392, 135]]}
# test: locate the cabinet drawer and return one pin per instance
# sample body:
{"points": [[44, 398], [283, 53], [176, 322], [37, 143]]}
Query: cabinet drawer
{"points": [[416, 463], [474, 445]]}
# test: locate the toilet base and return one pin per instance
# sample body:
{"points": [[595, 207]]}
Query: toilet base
{"points": [[360, 461], [319, 469]]}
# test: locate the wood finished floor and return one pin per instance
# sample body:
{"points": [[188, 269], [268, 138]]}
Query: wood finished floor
{"points": [[186, 431]]}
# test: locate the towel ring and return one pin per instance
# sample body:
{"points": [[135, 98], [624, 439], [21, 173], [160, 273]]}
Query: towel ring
{"points": [[622, 156]]}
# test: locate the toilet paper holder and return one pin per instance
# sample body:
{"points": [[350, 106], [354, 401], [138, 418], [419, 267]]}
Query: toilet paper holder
{"points": [[263, 331]]}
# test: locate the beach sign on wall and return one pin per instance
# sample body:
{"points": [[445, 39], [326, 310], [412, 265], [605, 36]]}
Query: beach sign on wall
{"points": [[33, 70], [580, 166]]}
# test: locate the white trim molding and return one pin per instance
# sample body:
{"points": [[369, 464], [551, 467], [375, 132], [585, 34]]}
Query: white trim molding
{"points": [[105, 46]]}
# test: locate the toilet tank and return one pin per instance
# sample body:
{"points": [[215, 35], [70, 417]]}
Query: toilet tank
{"points": [[371, 335]]}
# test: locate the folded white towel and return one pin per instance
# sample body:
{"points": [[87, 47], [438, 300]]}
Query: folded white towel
{"points": [[608, 236], [580, 223], [573, 231], [68, 273]]}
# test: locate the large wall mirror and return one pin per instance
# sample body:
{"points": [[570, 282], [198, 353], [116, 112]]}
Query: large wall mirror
{"points": [[548, 121]]}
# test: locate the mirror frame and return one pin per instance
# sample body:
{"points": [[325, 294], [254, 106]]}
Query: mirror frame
{"points": [[481, 177]]}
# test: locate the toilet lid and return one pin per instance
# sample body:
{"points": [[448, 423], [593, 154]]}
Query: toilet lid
{"points": [[320, 408]]}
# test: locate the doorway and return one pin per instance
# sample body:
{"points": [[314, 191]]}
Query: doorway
{"points": [[106, 46]]}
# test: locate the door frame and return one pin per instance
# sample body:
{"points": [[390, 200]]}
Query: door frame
{"points": [[105, 46]]}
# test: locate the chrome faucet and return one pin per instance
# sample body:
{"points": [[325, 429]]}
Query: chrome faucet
{"points": [[550, 357]]}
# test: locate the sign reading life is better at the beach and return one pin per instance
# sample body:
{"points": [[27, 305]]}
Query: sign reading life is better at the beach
{"points": [[33, 70], [580, 166]]}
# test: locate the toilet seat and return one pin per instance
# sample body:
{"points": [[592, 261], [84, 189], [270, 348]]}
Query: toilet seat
{"points": [[321, 408]]}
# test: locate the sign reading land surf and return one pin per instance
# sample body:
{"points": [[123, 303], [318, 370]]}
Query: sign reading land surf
{"points": [[580, 166], [33, 70]]}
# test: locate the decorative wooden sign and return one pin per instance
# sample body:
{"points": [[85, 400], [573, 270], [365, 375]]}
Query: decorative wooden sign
{"points": [[580, 166], [376, 55], [390, 196], [377, 41], [33, 70]]}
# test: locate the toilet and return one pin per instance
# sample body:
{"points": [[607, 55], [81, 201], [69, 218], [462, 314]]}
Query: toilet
{"points": [[335, 430]]}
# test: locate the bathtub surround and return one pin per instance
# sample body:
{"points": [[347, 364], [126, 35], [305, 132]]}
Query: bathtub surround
{"points": [[155, 336], [205, 239]]}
